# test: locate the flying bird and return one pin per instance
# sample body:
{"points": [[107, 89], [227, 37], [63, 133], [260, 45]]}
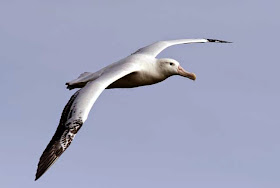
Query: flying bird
{"points": [[138, 69]]}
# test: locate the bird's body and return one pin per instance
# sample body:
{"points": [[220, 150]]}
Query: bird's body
{"points": [[146, 73], [139, 69]]}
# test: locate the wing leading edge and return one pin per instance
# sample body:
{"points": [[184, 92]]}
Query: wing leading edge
{"points": [[75, 114]]}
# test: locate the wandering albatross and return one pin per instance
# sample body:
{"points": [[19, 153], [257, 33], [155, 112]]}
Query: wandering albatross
{"points": [[139, 69]]}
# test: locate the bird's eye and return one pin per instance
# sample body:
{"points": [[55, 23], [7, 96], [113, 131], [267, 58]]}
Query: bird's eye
{"points": [[171, 64]]}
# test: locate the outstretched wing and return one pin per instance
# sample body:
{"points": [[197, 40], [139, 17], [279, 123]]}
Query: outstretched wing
{"points": [[155, 48], [76, 112]]}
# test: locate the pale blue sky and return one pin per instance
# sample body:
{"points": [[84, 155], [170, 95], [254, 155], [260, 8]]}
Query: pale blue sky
{"points": [[220, 131]]}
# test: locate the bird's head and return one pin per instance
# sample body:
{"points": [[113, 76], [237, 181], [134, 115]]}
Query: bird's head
{"points": [[172, 67]]}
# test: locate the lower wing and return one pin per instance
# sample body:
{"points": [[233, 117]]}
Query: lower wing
{"points": [[75, 114]]}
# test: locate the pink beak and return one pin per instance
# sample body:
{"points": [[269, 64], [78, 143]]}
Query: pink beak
{"points": [[185, 73]]}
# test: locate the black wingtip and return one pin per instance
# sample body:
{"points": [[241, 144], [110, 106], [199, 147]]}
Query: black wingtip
{"points": [[37, 176], [218, 41]]}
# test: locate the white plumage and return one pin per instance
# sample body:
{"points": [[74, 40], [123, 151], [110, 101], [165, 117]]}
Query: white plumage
{"points": [[138, 69]]}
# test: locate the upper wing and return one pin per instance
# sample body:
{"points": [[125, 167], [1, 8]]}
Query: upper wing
{"points": [[76, 112], [155, 48]]}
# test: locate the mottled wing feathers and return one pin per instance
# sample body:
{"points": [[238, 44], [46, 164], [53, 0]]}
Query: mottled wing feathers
{"points": [[60, 141], [76, 112], [155, 48]]}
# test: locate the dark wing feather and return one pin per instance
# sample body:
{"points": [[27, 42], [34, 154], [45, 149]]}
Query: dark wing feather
{"points": [[61, 139], [76, 112]]}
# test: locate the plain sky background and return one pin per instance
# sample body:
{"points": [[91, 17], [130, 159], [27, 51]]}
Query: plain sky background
{"points": [[220, 131]]}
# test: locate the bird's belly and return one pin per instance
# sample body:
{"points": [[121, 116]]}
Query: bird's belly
{"points": [[133, 80]]}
